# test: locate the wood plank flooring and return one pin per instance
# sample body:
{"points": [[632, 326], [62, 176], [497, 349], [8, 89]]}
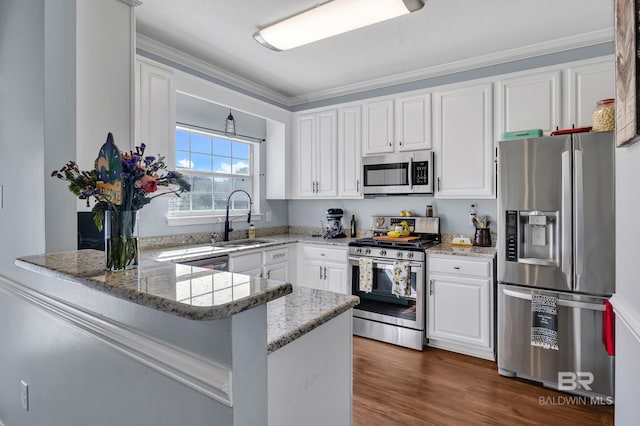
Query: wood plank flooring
{"points": [[398, 386]]}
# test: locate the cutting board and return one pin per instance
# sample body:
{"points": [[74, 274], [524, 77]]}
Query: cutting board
{"points": [[396, 239]]}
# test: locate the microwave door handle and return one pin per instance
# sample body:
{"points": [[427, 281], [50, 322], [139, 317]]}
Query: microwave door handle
{"points": [[411, 173]]}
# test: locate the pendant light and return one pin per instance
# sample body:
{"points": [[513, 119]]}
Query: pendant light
{"points": [[331, 18], [230, 124]]}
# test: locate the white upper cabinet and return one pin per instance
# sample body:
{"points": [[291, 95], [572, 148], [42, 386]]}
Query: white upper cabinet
{"points": [[400, 124], [413, 122], [530, 101], [349, 149], [586, 84], [463, 129], [316, 154], [378, 127]]}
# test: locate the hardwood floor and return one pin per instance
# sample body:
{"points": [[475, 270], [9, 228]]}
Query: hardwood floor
{"points": [[399, 386]]}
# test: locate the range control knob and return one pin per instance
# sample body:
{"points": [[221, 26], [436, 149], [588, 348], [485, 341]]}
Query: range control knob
{"points": [[383, 252], [359, 251], [367, 251], [399, 254], [410, 255]]}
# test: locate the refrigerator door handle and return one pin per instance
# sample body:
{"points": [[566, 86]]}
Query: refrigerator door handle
{"points": [[561, 302], [579, 215], [566, 218]]}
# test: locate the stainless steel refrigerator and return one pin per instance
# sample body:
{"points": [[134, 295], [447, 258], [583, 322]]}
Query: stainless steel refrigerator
{"points": [[556, 238]]}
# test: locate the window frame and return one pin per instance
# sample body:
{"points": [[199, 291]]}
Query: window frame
{"points": [[195, 217]]}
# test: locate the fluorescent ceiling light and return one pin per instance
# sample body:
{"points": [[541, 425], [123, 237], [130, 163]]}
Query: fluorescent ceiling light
{"points": [[332, 18]]}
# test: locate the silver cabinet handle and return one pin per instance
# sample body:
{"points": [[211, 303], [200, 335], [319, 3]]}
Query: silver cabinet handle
{"points": [[320, 268], [456, 267], [438, 184], [358, 185], [430, 287], [325, 272], [268, 274], [400, 143]]}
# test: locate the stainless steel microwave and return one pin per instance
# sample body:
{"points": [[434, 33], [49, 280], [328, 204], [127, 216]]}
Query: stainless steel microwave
{"points": [[396, 174]]}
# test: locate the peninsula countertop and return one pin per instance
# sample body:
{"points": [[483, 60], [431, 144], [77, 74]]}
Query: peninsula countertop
{"points": [[186, 291]]}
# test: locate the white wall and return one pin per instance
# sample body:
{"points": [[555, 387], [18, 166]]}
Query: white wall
{"points": [[627, 298]]}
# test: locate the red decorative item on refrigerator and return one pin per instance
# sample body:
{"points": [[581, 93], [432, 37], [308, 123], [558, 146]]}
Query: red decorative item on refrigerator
{"points": [[608, 328]]}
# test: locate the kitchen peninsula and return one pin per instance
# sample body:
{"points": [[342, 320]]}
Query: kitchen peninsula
{"points": [[228, 346]]}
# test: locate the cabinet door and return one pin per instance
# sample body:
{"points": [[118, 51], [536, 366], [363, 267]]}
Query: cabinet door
{"points": [[335, 277], [349, 148], [311, 275], [253, 272], [413, 122], [459, 309], [378, 127], [326, 151], [587, 84], [279, 271], [305, 154], [155, 108], [529, 102], [464, 138]]}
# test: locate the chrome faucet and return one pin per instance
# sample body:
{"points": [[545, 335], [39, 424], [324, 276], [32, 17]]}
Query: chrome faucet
{"points": [[227, 227]]}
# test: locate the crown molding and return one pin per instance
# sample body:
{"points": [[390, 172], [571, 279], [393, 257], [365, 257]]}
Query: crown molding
{"points": [[520, 53], [253, 89], [228, 79]]}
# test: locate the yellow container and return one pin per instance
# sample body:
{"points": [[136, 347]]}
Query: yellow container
{"points": [[604, 116]]}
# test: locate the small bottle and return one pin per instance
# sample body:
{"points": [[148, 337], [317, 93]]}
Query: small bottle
{"points": [[252, 231], [353, 226], [473, 213], [429, 210]]}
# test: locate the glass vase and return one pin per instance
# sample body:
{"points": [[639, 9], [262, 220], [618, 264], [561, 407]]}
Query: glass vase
{"points": [[121, 239]]}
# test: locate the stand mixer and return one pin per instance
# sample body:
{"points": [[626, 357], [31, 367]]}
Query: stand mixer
{"points": [[333, 229]]}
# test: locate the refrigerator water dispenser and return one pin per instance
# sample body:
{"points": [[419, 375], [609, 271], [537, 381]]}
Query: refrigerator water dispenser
{"points": [[532, 237]]}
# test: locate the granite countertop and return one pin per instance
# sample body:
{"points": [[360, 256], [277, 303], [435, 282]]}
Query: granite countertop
{"points": [[186, 291], [474, 251], [298, 313], [203, 251]]}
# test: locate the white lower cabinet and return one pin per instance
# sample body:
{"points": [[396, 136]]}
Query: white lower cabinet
{"points": [[460, 306], [324, 268], [274, 264]]}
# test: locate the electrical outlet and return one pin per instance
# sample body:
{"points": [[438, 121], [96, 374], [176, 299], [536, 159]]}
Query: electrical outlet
{"points": [[268, 215], [24, 395]]}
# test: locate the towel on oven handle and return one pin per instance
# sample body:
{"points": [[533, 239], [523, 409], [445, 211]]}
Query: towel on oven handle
{"points": [[366, 274], [401, 278], [544, 321]]}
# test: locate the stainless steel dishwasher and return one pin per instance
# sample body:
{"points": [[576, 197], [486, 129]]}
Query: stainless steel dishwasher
{"points": [[218, 263]]}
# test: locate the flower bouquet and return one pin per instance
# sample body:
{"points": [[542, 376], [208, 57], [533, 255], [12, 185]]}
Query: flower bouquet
{"points": [[121, 184]]}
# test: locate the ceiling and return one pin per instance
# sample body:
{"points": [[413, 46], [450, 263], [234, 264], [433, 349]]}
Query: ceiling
{"points": [[443, 37]]}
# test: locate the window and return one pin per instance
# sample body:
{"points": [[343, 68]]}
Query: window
{"points": [[215, 166]]}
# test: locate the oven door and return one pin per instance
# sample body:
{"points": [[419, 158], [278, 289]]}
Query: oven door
{"points": [[383, 306]]}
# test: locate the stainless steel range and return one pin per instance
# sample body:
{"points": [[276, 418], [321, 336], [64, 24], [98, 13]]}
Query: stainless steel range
{"points": [[389, 277]]}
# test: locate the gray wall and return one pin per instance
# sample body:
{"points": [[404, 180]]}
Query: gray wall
{"points": [[210, 115], [454, 214]]}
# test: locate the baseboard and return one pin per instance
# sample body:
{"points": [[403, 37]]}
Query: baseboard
{"points": [[627, 313], [198, 373]]}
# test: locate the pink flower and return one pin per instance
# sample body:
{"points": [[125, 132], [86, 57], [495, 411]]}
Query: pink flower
{"points": [[147, 183]]}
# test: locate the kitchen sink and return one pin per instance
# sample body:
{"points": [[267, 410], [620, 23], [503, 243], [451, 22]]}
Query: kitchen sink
{"points": [[244, 243]]}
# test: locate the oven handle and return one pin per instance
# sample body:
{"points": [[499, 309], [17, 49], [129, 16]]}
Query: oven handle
{"points": [[355, 261]]}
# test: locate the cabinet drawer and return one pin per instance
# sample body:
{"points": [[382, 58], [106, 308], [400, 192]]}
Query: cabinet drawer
{"points": [[481, 268], [276, 256], [243, 262], [325, 253]]}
